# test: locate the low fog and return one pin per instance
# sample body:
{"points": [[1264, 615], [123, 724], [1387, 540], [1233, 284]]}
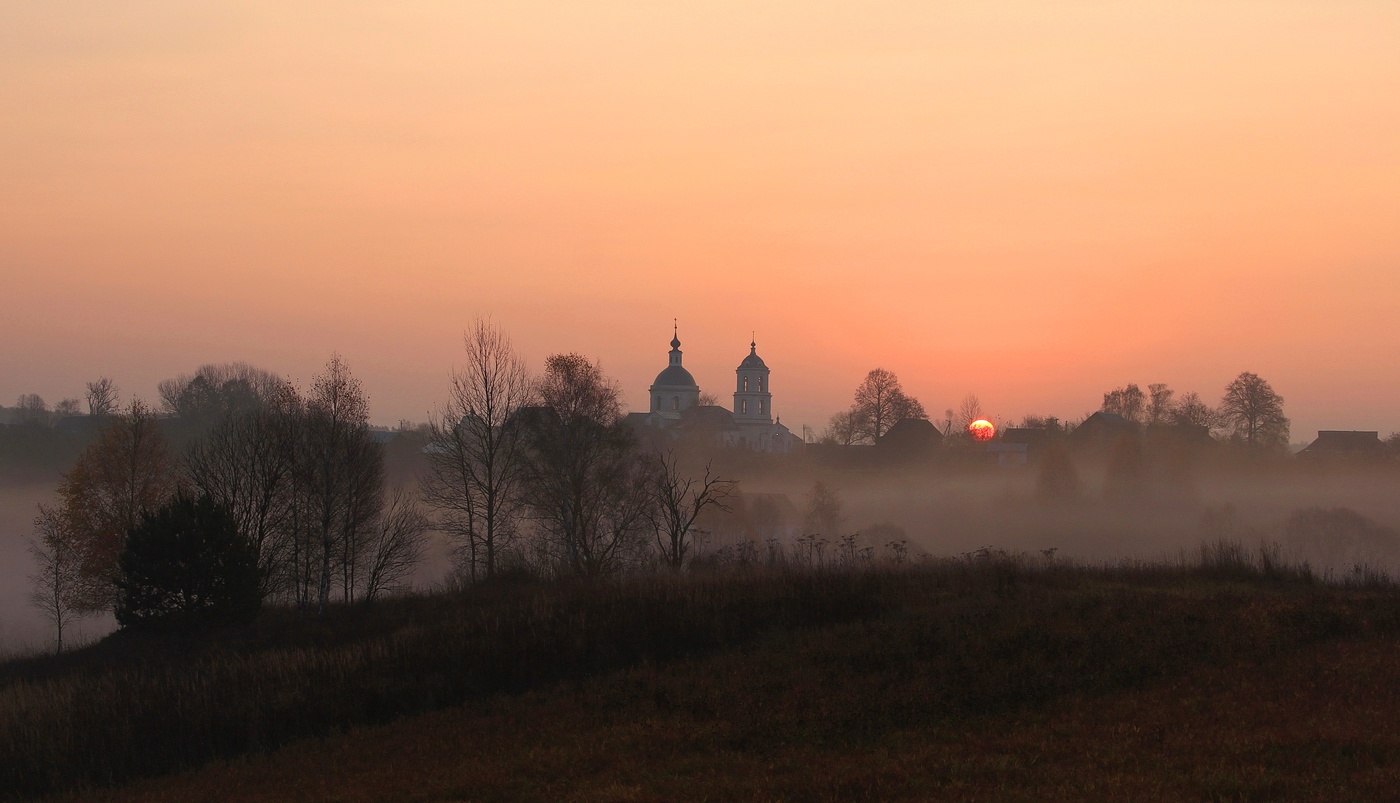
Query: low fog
{"points": [[22, 628], [1119, 491], [946, 510], [954, 510]]}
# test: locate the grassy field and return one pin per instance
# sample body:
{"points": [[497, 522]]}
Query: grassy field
{"points": [[985, 678]]}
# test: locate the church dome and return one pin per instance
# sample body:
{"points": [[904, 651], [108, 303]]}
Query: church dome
{"points": [[674, 376]]}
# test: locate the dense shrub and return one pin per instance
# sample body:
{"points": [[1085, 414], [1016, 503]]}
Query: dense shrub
{"points": [[186, 565]]}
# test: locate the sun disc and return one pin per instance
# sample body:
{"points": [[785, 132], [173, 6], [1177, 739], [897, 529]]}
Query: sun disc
{"points": [[981, 430]]}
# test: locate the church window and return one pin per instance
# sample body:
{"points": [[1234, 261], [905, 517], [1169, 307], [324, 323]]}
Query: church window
{"points": [[675, 402], [760, 384], [746, 384], [760, 406], [743, 406]]}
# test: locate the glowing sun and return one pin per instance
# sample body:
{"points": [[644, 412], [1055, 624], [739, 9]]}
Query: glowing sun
{"points": [[981, 430]]}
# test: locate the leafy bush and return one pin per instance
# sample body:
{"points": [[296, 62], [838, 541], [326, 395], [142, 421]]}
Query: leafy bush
{"points": [[187, 565]]}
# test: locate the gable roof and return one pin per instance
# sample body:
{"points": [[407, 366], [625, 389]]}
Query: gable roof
{"points": [[1102, 423], [1336, 440], [708, 418]]}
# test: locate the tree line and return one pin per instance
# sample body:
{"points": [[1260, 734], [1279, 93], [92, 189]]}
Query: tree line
{"points": [[518, 468], [1249, 412]]}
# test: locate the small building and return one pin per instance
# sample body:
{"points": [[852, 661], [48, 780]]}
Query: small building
{"points": [[1034, 440], [910, 437], [1007, 454], [1103, 429], [1335, 444]]}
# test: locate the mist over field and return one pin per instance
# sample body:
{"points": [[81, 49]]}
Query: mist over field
{"points": [[23, 628], [951, 512], [945, 510]]}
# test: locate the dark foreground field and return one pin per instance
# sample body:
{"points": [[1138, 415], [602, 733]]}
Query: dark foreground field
{"points": [[987, 678]]}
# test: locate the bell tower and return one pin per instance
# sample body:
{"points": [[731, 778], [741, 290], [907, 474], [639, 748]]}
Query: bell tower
{"points": [[753, 400]]}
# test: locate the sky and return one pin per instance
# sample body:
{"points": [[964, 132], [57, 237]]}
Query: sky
{"points": [[1033, 202]]}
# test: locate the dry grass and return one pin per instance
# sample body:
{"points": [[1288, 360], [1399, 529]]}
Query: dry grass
{"points": [[973, 678], [1317, 723]]}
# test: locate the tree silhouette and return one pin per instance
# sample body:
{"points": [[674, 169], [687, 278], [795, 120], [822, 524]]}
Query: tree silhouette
{"points": [[1255, 412], [186, 564], [57, 584], [475, 473], [586, 484], [342, 474], [1191, 410], [677, 500], [1125, 401], [880, 402], [102, 397], [126, 470]]}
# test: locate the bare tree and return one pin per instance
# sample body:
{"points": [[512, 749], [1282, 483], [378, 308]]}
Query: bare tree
{"points": [[216, 390], [969, 410], [586, 483], [66, 407], [1125, 401], [1254, 411], [1047, 422], [102, 397], [1159, 403], [880, 403], [342, 480], [475, 454], [57, 584], [248, 463], [395, 548], [845, 428], [126, 470], [364, 504], [678, 499], [1191, 410], [32, 410]]}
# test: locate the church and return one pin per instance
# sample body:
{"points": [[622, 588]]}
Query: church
{"points": [[676, 410]]}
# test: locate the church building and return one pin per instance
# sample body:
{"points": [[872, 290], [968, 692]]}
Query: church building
{"points": [[676, 409]]}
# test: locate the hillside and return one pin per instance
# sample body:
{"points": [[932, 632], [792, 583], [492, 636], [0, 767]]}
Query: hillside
{"points": [[985, 677]]}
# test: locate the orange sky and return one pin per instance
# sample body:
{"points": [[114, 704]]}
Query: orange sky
{"points": [[1032, 201]]}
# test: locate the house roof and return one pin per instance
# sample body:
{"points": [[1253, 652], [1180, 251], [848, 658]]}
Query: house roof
{"points": [[1333, 440], [708, 417], [912, 429], [1102, 422]]}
